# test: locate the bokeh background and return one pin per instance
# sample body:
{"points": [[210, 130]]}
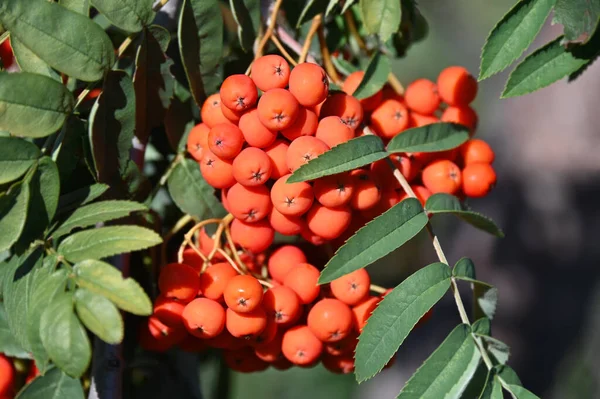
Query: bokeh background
{"points": [[546, 269]]}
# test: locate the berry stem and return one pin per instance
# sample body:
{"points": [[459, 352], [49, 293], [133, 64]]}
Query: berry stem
{"points": [[188, 240], [316, 23], [233, 250], [395, 83], [378, 289], [217, 239], [329, 67], [185, 219], [272, 22], [351, 24], [282, 50]]}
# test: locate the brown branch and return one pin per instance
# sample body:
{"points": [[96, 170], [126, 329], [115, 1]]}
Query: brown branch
{"points": [[316, 24], [327, 63], [282, 50]]}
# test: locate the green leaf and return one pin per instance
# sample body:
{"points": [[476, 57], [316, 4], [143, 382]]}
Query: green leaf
{"points": [[482, 326], [343, 66], [485, 299], [24, 114], [103, 279], [545, 66], [381, 17], [82, 196], [13, 211], [590, 51], [522, 393], [333, 5], [29, 62], [99, 315], [177, 118], [512, 35], [347, 156], [8, 343], [464, 269], [129, 15], [579, 17], [507, 374], [16, 156], [80, 6], [107, 241], [98, 212], [446, 373], [443, 203], [64, 337], [54, 384], [376, 239], [376, 75], [492, 388], [497, 348], [429, 138], [396, 315], [246, 33], [477, 383], [112, 124], [200, 33], [67, 41], [191, 193], [311, 10], [46, 287]]}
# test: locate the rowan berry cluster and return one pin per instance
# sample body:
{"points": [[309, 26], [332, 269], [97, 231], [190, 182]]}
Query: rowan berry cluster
{"points": [[7, 378]]}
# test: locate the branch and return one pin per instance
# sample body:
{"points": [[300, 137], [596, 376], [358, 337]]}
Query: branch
{"points": [[316, 23], [329, 67]]}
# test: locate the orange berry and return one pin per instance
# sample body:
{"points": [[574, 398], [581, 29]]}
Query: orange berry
{"points": [[442, 176], [334, 190], [464, 115], [206, 245], [255, 237], [383, 173], [351, 84], [255, 133], [244, 361], [249, 204], [300, 346], [179, 281], [389, 198], [246, 325], [193, 344], [421, 192], [277, 154], [362, 311], [282, 305], [311, 237], [270, 351], [243, 293], [389, 93], [302, 150], [328, 223], [204, 318], [157, 337], [270, 72], [422, 96], [302, 279], [215, 278], [283, 259], [457, 87], [7, 376], [330, 320], [476, 151], [291, 199], [390, 118], [346, 107], [478, 179], [231, 115], [216, 171], [332, 131], [225, 141], [309, 84], [169, 311], [267, 335], [343, 346], [238, 92], [343, 364], [278, 109], [198, 140], [286, 225], [418, 120], [352, 288], [227, 341], [366, 191], [252, 167], [305, 125], [211, 112]]}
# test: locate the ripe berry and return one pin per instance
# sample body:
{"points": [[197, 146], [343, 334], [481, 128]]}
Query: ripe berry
{"points": [[478, 179], [227, 341], [198, 140], [309, 84], [311, 237], [238, 92], [286, 225], [383, 173], [216, 171], [179, 281], [333, 131], [232, 115], [169, 311], [422, 96], [270, 72], [418, 120], [442, 176], [163, 335], [255, 133], [346, 107], [255, 237], [282, 305], [225, 141], [305, 125], [278, 109], [351, 84], [343, 346], [300, 346], [352, 288], [328, 223], [366, 191], [244, 361], [476, 151], [334, 190], [277, 154], [7, 376], [343, 364], [252, 167], [292, 199], [204, 318], [330, 320], [270, 351], [457, 87], [215, 278], [283, 259], [302, 150], [421, 192], [267, 335], [390, 118], [243, 293], [246, 325], [362, 311], [464, 115], [249, 204], [302, 279], [211, 112]]}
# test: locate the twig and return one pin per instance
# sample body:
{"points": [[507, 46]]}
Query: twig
{"points": [[351, 24], [282, 50], [272, 22], [293, 44], [378, 289], [188, 239], [217, 240], [180, 224], [395, 83], [316, 23], [329, 67]]}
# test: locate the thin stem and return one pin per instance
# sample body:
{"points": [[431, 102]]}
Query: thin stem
{"points": [[292, 43], [272, 22], [188, 239], [4, 36], [159, 5], [316, 23], [180, 224], [231, 261], [395, 83], [233, 250], [351, 24], [217, 239], [329, 67], [378, 289], [283, 51]]}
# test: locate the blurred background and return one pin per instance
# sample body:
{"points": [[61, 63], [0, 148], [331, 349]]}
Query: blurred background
{"points": [[546, 269]]}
